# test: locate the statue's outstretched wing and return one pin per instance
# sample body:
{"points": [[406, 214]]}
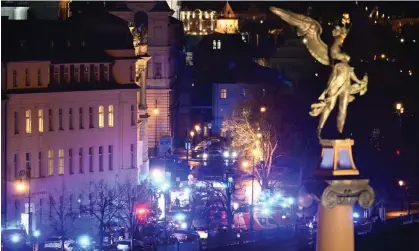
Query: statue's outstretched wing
{"points": [[308, 28]]}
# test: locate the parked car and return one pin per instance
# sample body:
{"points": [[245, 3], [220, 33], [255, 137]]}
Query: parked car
{"points": [[14, 239], [56, 242]]}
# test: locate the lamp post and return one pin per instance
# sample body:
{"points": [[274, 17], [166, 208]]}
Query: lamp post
{"points": [[156, 113], [21, 188], [403, 185]]}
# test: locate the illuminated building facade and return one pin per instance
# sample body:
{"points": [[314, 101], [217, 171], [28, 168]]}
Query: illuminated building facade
{"points": [[71, 113]]}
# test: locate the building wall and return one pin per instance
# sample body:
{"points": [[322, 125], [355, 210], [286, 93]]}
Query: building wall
{"points": [[225, 97], [122, 138], [158, 99]]}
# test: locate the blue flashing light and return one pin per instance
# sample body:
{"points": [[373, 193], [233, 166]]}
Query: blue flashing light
{"points": [[356, 215], [266, 211], [36, 233], [180, 217], [84, 241], [290, 200]]}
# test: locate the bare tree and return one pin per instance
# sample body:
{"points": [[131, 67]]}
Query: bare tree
{"points": [[104, 205], [133, 196], [62, 216]]}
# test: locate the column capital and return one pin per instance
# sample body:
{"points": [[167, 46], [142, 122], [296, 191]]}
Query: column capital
{"points": [[347, 192]]}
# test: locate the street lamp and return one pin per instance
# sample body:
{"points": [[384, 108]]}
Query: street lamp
{"points": [[402, 183], [263, 109], [21, 188], [192, 133]]}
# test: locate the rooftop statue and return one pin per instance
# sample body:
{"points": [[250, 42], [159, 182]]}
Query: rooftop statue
{"points": [[340, 84]]}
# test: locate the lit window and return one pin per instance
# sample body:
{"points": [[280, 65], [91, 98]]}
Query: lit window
{"points": [[14, 79], [110, 155], [16, 122], [50, 162], [214, 44], [101, 117], [100, 158], [110, 116], [70, 121], [223, 93], [28, 123], [60, 119], [60, 161], [41, 120], [219, 44]]}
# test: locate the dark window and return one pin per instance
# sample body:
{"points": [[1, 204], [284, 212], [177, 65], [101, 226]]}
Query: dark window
{"points": [[14, 79], [72, 75], [39, 78], [110, 153], [132, 148], [70, 119], [16, 165], [91, 159], [60, 119], [157, 71], [27, 84], [100, 158], [70, 161], [131, 73], [16, 122], [81, 167], [132, 115], [90, 117], [40, 166], [81, 118], [62, 75], [50, 121]]}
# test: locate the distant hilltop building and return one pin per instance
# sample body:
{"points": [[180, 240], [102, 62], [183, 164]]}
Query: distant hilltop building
{"points": [[227, 21]]}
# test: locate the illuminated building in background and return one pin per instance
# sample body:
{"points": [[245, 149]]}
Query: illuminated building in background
{"points": [[227, 23], [198, 22]]}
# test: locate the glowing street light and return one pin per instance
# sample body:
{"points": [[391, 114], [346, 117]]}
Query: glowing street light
{"points": [[20, 187], [399, 106], [259, 135], [155, 111], [192, 133], [245, 164], [401, 183], [263, 109], [197, 128]]}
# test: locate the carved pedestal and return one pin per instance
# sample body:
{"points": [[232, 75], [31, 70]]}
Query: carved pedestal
{"points": [[337, 186]]}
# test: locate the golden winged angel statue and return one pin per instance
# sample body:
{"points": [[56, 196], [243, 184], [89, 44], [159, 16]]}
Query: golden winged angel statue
{"points": [[339, 85]]}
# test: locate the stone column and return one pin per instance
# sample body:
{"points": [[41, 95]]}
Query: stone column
{"points": [[335, 228], [336, 186]]}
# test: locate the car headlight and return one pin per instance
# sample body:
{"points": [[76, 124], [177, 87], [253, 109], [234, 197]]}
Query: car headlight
{"points": [[205, 156], [234, 155], [15, 238], [226, 154]]}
